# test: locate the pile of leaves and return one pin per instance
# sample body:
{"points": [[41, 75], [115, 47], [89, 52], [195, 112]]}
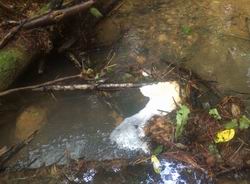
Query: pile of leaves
{"points": [[215, 140]]}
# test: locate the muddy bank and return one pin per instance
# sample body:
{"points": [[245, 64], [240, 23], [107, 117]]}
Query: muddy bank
{"points": [[210, 37]]}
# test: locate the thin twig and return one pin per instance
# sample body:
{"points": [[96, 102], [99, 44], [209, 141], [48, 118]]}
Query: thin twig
{"points": [[236, 152], [16, 148], [236, 36], [10, 35], [6, 8], [72, 58], [39, 85]]}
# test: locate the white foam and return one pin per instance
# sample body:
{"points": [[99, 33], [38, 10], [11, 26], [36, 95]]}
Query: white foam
{"points": [[162, 96]]}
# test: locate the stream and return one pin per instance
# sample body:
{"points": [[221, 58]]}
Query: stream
{"points": [[210, 37]]}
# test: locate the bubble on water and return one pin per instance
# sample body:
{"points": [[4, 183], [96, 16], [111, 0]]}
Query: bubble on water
{"points": [[89, 175]]}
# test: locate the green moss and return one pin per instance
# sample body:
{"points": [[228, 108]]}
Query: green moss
{"points": [[12, 62], [44, 9], [9, 55]]}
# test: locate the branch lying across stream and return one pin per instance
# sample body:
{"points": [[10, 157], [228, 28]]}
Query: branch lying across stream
{"points": [[95, 86], [48, 86]]}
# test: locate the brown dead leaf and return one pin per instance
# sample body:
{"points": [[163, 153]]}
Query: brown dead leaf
{"points": [[3, 150], [235, 111], [54, 171]]}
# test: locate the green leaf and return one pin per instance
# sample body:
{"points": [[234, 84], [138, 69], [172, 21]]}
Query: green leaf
{"points": [[158, 150], [244, 122], [95, 12], [97, 77], [214, 113], [186, 30], [181, 120], [231, 124]]}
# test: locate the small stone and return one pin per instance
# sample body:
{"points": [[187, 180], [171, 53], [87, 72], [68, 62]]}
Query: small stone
{"points": [[162, 38], [140, 59]]}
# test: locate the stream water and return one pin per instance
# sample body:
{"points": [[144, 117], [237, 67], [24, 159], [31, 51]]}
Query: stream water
{"points": [[211, 37]]}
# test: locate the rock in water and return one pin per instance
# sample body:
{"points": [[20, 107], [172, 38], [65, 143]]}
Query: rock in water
{"points": [[30, 119]]}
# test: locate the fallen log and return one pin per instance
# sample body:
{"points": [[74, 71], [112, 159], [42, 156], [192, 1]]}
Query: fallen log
{"points": [[13, 61]]}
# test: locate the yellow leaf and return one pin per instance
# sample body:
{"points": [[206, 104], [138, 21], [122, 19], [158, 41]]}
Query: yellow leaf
{"points": [[156, 164], [224, 136]]}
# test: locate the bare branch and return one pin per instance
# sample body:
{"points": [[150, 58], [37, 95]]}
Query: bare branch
{"points": [[95, 86], [57, 15], [39, 85]]}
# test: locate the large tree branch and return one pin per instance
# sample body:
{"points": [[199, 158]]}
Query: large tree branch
{"points": [[57, 15]]}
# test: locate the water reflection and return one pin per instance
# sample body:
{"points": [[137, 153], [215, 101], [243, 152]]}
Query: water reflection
{"points": [[171, 173]]}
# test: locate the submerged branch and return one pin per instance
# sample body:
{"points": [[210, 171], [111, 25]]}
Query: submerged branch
{"points": [[16, 148]]}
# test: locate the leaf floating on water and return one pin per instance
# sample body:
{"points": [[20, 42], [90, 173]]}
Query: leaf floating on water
{"points": [[244, 122], [231, 124], [181, 120], [214, 113], [156, 164], [224, 136], [95, 12]]}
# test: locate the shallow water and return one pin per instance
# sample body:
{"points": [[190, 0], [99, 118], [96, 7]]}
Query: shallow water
{"points": [[79, 124], [210, 37]]}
